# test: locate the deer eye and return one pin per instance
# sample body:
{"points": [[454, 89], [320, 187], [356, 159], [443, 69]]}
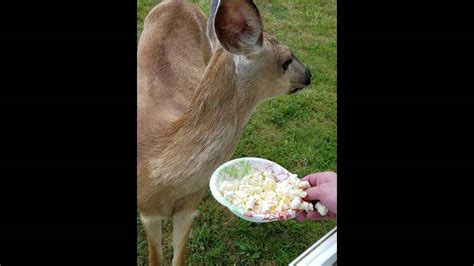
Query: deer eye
{"points": [[286, 64]]}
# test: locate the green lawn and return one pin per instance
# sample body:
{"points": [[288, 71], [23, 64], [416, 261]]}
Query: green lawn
{"points": [[296, 131]]}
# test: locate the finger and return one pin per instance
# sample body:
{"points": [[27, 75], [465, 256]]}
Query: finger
{"points": [[312, 179], [313, 193], [332, 216], [301, 216], [316, 179], [313, 215], [328, 216], [326, 177]]}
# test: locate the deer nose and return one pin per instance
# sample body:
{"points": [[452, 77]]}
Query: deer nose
{"points": [[308, 77]]}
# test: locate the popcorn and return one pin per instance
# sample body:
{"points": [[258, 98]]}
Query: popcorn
{"points": [[321, 208], [295, 203], [261, 193], [307, 206]]}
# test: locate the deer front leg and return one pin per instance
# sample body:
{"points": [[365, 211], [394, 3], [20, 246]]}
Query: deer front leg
{"points": [[152, 226], [182, 223]]}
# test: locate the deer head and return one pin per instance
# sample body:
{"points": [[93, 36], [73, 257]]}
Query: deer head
{"points": [[261, 62]]}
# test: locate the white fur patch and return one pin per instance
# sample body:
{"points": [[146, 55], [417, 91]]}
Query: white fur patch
{"points": [[242, 65], [151, 218]]}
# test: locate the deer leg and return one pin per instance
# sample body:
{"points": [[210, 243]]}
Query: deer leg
{"points": [[152, 226], [182, 223]]}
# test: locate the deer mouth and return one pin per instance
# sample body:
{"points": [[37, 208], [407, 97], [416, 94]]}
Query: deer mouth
{"points": [[298, 87], [295, 90]]}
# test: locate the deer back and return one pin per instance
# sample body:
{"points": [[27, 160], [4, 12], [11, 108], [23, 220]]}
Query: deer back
{"points": [[173, 52]]}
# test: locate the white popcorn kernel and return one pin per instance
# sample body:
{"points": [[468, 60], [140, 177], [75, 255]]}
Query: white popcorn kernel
{"points": [[295, 203], [268, 184], [239, 194], [227, 186], [229, 195], [266, 206], [284, 204], [256, 190], [283, 189], [307, 206], [304, 184], [270, 196], [249, 205], [321, 208], [246, 188]]}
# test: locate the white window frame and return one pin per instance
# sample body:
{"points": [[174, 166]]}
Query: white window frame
{"points": [[322, 253]]}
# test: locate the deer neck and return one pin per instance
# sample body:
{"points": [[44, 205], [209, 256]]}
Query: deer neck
{"points": [[220, 99], [207, 133]]}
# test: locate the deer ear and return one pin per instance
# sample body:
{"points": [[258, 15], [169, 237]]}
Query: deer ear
{"points": [[238, 26]]}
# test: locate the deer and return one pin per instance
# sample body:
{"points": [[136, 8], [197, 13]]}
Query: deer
{"points": [[198, 82]]}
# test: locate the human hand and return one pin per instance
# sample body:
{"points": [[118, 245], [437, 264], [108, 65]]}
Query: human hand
{"points": [[323, 188]]}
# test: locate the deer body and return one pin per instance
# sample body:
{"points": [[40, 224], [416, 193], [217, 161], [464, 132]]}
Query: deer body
{"points": [[186, 152], [194, 101]]}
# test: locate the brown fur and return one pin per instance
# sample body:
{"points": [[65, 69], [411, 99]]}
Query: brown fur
{"points": [[173, 63], [192, 108]]}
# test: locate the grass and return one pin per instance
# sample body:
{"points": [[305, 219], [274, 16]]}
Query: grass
{"points": [[296, 131]]}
